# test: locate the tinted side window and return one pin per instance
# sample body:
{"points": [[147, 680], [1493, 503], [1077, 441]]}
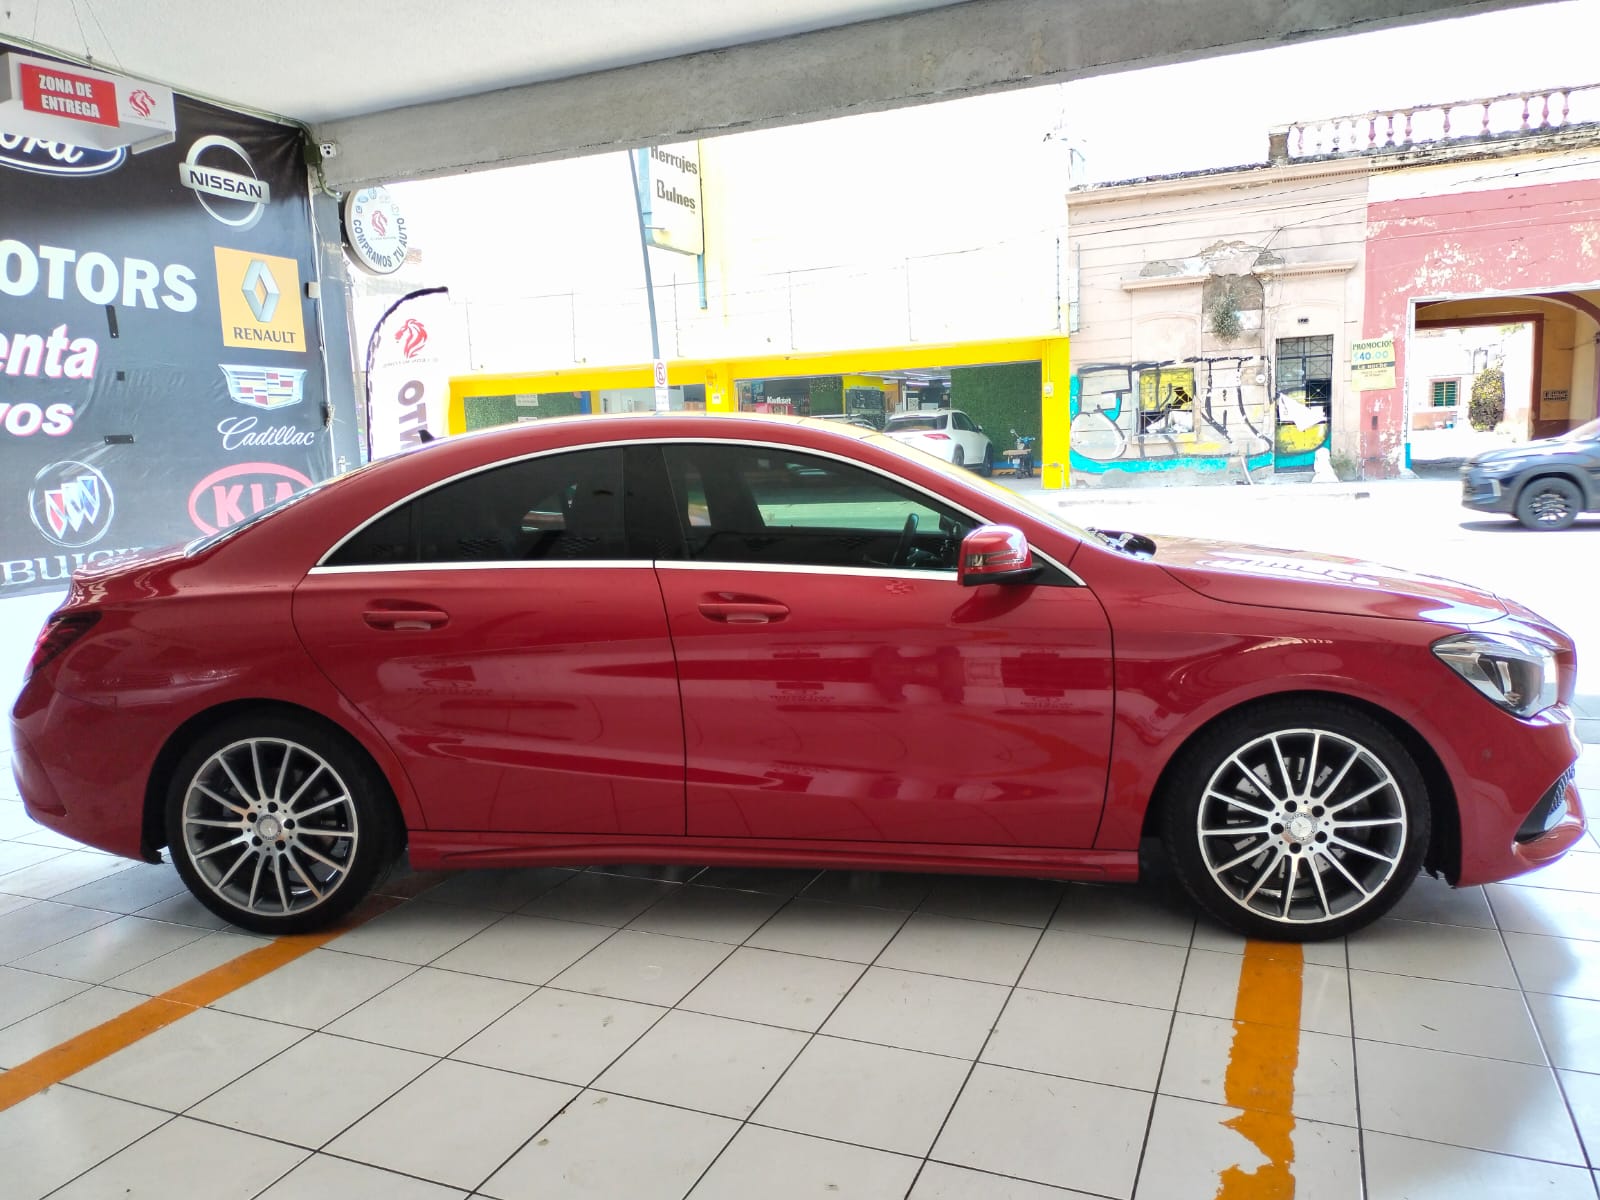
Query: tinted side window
{"points": [[756, 505], [961, 422], [558, 507], [387, 540]]}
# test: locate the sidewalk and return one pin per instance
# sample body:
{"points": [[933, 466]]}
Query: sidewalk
{"points": [[1219, 493]]}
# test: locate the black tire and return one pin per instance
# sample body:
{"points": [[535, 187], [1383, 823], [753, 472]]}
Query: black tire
{"points": [[958, 457], [1251, 783], [1549, 503], [987, 467], [255, 776]]}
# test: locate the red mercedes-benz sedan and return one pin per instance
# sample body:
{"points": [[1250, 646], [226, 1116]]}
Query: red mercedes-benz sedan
{"points": [[753, 641]]}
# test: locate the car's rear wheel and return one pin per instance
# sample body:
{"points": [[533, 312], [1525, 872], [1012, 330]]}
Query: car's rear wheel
{"points": [[958, 457], [1549, 503], [278, 825], [1298, 821]]}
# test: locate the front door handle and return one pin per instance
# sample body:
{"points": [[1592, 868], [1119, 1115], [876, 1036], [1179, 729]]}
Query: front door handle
{"points": [[743, 612], [406, 619]]}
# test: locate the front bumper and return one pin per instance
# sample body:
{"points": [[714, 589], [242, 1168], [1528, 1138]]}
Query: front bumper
{"points": [[1520, 810], [1485, 492]]}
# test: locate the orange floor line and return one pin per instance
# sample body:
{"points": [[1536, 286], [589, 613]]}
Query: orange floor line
{"points": [[1261, 1066], [91, 1046]]}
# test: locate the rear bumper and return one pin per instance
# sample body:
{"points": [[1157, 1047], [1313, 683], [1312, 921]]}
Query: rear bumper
{"points": [[68, 781]]}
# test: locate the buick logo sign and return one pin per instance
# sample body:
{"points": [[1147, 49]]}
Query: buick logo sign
{"points": [[71, 504], [222, 177], [57, 158]]}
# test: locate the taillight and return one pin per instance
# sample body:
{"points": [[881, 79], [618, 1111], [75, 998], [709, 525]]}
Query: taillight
{"points": [[937, 437], [58, 633]]}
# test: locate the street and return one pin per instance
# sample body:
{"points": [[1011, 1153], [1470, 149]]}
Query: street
{"points": [[1418, 524]]}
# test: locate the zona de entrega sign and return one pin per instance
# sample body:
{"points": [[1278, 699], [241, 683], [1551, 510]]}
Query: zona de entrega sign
{"points": [[375, 231], [53, 102]]}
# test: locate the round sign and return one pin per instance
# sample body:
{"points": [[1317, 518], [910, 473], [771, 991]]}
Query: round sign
{"points": [[71, 504], [375, 231]]}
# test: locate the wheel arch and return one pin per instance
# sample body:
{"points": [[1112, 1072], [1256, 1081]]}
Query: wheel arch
{"points": [[1577, 478], [1443, 855], [153, 832]]}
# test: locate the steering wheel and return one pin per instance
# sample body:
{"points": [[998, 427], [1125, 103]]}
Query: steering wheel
{"points": [[902, 550]]}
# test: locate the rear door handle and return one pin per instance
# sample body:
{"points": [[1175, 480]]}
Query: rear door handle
{"points": [[405, 619], [743, 612]]}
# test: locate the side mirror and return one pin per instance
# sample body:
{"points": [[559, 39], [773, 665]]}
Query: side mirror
{"points": [[995, 554]]}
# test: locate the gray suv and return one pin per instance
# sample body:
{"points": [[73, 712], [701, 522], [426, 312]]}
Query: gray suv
{"points": [[1544, 484]]}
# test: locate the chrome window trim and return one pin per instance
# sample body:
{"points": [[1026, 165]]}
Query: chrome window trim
{"points": [[675, 564], [491, 564], [758, 443]]}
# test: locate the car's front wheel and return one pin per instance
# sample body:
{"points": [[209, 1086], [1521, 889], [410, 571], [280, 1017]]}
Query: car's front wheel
{"points": [[1549, 503], [278, 825], [1297, 821], [987, 468]]}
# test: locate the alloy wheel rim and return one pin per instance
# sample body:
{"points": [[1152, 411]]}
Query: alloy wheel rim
{"points": [[1550, 506], [269, 826], [1302, 826]]}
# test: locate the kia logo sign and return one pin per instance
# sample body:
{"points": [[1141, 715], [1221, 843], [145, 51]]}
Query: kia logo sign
{"points": [[412, 336], [228, 496], [71, 504], [57, 158]]}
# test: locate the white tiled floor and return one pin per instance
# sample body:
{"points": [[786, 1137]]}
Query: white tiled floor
{"points": [[633, 1032]]}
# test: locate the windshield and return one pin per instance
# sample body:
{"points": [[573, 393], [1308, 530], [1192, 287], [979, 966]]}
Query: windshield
{"points": [[1003, 494], [915, 423], [1584, 433]]}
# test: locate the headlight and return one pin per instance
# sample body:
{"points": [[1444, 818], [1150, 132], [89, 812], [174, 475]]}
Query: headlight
{"points": [[1517, 674], [1500, 468]]}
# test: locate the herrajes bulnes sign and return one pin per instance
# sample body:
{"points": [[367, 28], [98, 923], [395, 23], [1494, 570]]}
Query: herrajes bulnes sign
{"points": [[160, 366]]}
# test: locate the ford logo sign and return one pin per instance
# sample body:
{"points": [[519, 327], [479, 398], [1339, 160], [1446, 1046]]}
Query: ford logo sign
{"points": [[57, 158]]}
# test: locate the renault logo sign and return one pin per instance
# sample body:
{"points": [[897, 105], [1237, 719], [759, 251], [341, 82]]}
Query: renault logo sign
{"points": [[260, 291]]}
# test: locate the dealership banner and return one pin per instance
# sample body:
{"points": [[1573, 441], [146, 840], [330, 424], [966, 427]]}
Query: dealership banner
{"points": [[161, 374], [410, 342]]}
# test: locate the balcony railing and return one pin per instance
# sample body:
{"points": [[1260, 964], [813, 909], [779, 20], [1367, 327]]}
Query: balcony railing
{"points": [[1387, 131]]}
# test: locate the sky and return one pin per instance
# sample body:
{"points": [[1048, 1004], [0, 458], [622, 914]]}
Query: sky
{"points": [[1216, 112], [830, 194]]}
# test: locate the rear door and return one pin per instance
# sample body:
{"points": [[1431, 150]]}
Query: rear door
{"points": [[508, 639]]}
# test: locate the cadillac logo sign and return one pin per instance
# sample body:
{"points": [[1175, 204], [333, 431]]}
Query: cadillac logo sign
{"points": [[375, 231], [71, 504], [264, 387]]}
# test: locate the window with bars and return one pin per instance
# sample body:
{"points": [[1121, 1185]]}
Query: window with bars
{"points": [[1444, 392]]}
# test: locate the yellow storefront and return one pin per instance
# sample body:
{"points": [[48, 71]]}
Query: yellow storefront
{"points": [[479, 401]]}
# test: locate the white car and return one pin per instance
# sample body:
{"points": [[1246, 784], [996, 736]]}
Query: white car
{"points": [[945, 433]]}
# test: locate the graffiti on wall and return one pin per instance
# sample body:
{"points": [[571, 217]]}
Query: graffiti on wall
{"points": [[1302, 430], [1200, 414]]}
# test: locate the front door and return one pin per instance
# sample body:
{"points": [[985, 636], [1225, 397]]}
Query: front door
{"points": [[839, 684], [500, 635]]}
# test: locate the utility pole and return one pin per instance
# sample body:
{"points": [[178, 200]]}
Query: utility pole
{"points": [[659, 366]]}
